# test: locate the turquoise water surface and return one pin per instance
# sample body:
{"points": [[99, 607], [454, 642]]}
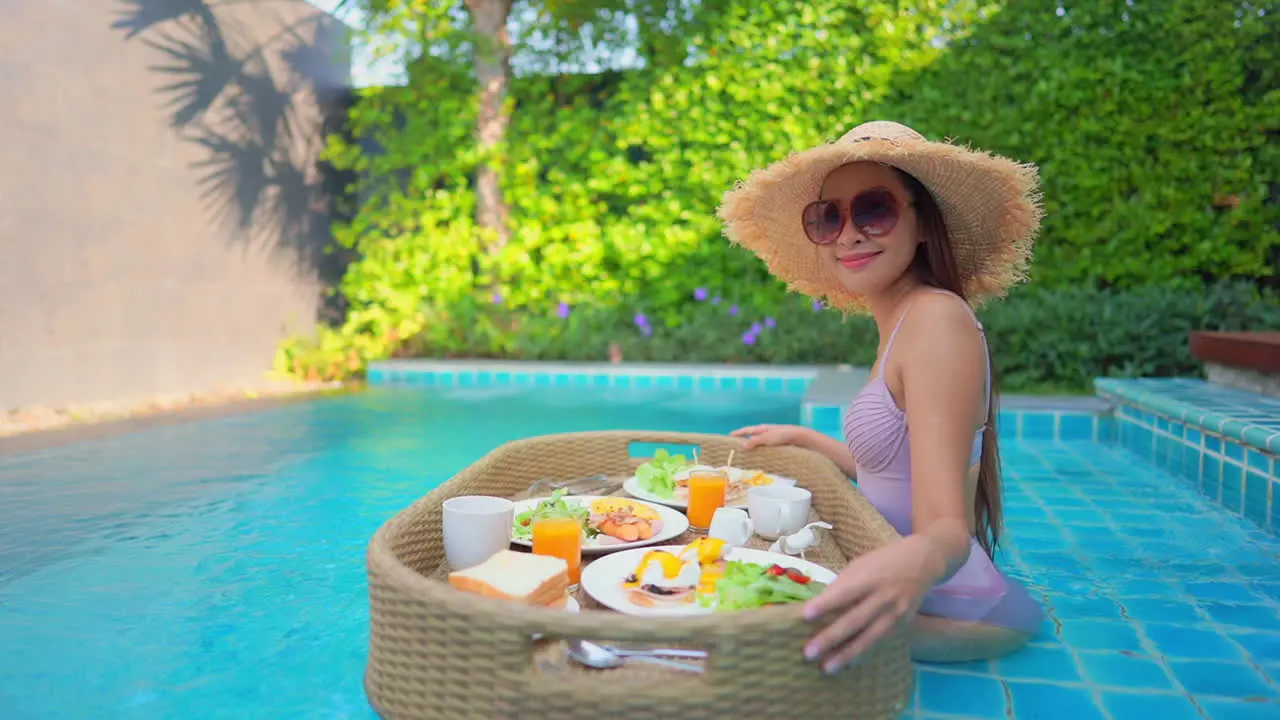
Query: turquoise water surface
{"points": [[215, 569]]}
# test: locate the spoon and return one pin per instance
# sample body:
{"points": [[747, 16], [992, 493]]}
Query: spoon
{"points": [[602, 658]]}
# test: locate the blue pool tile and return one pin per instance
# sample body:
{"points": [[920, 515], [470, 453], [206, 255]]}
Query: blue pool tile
{"points": [[1275, 505], [1101, 635], [1075, 427], [826, 415], [1211, 477], [1191, 643], [752, 383], [729, 383], [1263, 647], [1232, 487], [954, 694], [1053, 702], [1257, 496], [773, 384], [1039, 663], [1114, 669], [706, 383], [1233, 450], [1223, 679], [1037, 426], [1256, 461], [1236, 710], [1213, 444], [1132, 706], [1258, 617], [684, 382], [1092, 608], [1267, 589], [1232, 592], [1162, 611]]}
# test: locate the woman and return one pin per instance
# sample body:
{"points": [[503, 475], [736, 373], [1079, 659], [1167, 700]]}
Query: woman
{"points": [[912, 231]]}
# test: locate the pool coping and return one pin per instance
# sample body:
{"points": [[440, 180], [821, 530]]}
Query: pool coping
{"points": [[1122, 392]]}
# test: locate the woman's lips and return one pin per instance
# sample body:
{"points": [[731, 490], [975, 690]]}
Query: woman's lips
{"points": [[854, 261]]}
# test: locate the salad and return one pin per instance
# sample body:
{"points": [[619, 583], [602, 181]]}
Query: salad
{"points": [[551, 506], [658, 476], [748, 585]]}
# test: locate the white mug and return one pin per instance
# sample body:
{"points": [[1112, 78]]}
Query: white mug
{"points": [[778, 510], [476, 527], [731, 525]]}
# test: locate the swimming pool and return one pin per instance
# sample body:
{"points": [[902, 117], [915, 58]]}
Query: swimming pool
{"points": [[215, 569]]}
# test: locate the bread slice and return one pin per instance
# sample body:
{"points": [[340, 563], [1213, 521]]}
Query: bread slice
{"points": [[511, 575]]}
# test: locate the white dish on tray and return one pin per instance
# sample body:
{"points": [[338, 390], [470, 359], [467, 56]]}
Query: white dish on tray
{"points": [[603, 578], [632, 487], [674, 524]]}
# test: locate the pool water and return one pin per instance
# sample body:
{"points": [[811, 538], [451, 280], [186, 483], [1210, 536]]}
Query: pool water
{"points": [[216, 569]]}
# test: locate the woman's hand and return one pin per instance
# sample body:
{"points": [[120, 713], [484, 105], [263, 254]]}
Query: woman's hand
{"points": [[873, 595], [755, 436]]}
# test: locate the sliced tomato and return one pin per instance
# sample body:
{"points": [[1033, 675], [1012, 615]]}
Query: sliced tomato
{"points": [[797, 576]]}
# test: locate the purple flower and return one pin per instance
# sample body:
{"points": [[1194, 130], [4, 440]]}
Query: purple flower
{"points": [[715, 300], [641, 320], [748, 338], [645, 330], [733, 309], [817, 305], [769, 323], [496, 298], [755, 328], [563, 310], [700, 294]]}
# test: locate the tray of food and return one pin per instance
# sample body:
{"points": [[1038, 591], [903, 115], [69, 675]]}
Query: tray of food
{"points": [[470, 619]]}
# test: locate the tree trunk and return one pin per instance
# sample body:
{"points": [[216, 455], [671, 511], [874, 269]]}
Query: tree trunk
{"points": [[493, 76]]}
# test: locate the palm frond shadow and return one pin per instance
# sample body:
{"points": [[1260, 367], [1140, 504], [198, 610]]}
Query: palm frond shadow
{"points": [[258, 106]]}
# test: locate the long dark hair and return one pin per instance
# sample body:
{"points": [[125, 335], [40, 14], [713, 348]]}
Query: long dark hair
{"points": [[935, 263]]}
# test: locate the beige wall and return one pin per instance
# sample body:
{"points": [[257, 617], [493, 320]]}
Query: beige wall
{"points": [[161, 212]]}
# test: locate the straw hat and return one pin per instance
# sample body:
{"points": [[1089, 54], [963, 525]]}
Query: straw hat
{"points": [[991, 206]]}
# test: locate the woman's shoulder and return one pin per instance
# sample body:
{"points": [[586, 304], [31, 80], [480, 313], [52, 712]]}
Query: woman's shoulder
{"points": [[939, 310], [941, 326]]}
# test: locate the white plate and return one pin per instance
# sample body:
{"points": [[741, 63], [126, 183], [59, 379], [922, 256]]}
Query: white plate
{"points": [[673, 524], [603, 578], [632, 487]]}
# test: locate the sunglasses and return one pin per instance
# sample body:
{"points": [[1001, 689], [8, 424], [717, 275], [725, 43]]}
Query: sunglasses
{"points": [[874, 213]]}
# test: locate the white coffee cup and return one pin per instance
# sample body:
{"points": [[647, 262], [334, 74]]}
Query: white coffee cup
{"points": [[731, 525], [777, 510], [476, 527]]}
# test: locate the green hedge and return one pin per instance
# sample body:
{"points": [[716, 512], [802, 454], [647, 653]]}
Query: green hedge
{"points": [[1154, 127]]}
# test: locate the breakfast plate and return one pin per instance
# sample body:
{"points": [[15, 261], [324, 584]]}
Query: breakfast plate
{"points": [[609, 523], [740, 481], [702, 577]]}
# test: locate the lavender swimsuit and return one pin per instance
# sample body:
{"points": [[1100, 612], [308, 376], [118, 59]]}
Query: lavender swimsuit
{"points": [[876, 432]]}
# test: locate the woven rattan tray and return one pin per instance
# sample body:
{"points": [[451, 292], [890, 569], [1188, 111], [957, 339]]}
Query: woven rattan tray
{"points": [[436, 652]]}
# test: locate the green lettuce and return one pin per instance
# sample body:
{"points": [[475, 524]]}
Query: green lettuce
{"points": [[747, 585], [658, 475]]}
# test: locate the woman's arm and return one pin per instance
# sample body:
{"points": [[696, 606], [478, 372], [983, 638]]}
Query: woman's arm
{"points": [[942, 364]]}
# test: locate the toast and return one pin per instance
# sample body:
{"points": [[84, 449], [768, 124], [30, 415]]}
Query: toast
{"points": [[521, 577]]}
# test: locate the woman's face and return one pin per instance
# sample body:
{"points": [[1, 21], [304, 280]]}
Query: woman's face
{"points": [[866, 261]]}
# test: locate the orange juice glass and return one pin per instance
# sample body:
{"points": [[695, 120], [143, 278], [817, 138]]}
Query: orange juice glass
{"points": [[706, 495], [560, 536]]}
